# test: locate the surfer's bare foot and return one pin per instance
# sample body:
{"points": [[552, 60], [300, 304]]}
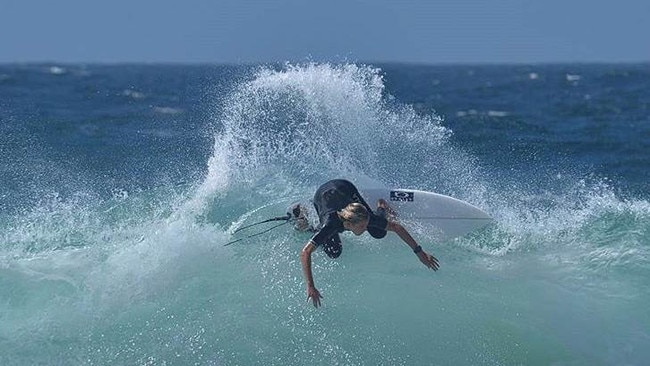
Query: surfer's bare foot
{"points": [[391, 214]]}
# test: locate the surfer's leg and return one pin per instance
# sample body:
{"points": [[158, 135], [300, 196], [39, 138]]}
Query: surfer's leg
{"points": [[376, 232], [384, 211], [300, 217]]}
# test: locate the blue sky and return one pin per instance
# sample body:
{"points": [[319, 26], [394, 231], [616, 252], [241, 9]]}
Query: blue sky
{"points": [[234, 31]]}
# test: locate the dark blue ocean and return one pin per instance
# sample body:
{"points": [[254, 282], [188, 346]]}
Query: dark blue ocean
{"points": [[119, 185]]}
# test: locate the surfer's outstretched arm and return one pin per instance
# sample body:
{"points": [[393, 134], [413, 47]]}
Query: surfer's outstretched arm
{"points": [[305, 259], [426, 258]]}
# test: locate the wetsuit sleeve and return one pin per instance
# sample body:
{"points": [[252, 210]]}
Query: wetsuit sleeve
{"points": [[323, 235]]}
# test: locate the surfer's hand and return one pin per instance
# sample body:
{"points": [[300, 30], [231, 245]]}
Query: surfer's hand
{"points": [[428, 260], [314, 295]]}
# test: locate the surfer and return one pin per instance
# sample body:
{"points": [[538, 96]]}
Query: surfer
{"points": [[340, 207]]}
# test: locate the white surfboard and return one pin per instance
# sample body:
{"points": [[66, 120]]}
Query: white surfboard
{"points": [[441, 216]]}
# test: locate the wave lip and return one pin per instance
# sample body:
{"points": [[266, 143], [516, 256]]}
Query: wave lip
{"points": [[308, 118]]}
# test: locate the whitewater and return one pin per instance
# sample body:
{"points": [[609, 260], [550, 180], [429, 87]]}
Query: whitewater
{"points": [[96, 270]]}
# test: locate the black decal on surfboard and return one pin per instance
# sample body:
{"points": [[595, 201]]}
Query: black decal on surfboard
{"points": [[402, 196]]}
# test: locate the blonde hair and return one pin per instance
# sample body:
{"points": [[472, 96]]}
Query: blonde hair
{"points": [[354, 213]]}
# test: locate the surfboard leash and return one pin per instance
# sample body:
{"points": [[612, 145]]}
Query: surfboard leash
{"points": [[286, 220], [286, 217]]}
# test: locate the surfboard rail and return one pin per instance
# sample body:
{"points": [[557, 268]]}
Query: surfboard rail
{"points": [[444, 217]]}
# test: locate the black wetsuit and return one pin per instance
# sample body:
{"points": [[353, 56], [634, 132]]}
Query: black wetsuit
{"points": [[332, 197]]}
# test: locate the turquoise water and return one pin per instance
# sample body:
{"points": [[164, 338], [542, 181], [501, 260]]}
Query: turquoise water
{"points": [[122, 183]]}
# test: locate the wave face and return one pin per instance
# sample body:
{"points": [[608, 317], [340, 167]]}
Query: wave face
{"points": [[111, 246]]}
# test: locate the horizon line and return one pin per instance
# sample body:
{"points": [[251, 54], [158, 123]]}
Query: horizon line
{"points": [[296, 62]]}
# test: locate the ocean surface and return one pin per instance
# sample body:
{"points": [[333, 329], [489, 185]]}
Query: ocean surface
{"points": [[120, 185]]}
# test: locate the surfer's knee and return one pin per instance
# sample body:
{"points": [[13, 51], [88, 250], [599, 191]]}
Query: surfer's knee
{"points": [[376, 233]]}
